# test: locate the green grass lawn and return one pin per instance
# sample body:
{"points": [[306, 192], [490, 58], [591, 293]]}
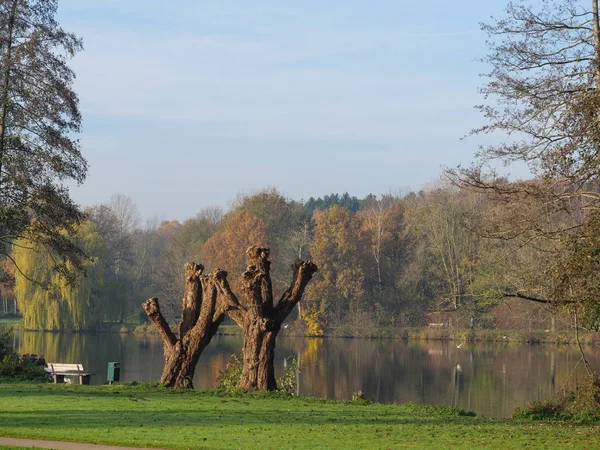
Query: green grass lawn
{"points": [[10, 320], [150, 416]]}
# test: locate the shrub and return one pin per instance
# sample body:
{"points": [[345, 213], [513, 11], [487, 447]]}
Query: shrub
{"points": [[313, 319], [229, 379], [287, 383], [545, 410], [360, 398], [5, 348], [146, 328], [24, 367], [583, 404]]}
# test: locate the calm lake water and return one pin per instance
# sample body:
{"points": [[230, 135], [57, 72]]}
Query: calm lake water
{"points": [[489, 379]]}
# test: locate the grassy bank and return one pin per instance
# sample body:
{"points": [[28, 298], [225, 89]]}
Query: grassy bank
{"points": [[477, 335], [151, 416], [530, 337], [11, 320]]}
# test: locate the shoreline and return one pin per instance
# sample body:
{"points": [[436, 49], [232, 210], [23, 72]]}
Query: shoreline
{"points": [[590, 338]]}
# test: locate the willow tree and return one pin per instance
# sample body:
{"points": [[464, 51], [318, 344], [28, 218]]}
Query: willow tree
{"points": [[39, 120], [49, 301], [259, 317]]}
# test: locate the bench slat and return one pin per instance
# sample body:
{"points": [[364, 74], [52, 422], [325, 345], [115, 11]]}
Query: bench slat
{"points": [[61, 370], [58, 367]]}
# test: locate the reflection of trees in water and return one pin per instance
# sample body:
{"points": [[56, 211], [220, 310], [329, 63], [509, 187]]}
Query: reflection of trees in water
{"points": [[214, 359], [54, 347], [489, 379]]}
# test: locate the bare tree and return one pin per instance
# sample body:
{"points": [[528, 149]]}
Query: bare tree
{"points": [[298, 242], [381, 221], [126, 212], [545, 82]]}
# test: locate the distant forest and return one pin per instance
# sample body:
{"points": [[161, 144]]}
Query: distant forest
{"points": [[387, 261]]}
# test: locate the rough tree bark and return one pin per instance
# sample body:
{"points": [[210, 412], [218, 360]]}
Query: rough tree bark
{"points": [[200, 319], [257, 315]]}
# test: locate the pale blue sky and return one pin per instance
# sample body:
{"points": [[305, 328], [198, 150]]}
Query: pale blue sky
{"points": [[188, 102]]}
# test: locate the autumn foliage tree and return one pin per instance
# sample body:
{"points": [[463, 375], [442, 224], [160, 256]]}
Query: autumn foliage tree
{"points": [[226, 248], [281, 219], [181, 243], [337, 245]]}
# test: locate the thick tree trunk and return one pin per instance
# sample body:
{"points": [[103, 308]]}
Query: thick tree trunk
{"points": [[258, 354], [200, 320], [6, 83], [258, 318]]}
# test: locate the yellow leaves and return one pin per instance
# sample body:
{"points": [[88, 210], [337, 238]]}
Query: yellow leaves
{"points": [[46, 299], [313, 319]]}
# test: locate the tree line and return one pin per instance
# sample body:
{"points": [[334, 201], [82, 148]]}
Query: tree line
{"points": [[388, 261]]}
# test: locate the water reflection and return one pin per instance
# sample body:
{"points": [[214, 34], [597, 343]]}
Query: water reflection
{"points": [[490, 379]]}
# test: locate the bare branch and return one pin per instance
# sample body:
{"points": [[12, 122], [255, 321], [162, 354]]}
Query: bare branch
{"points": [[153, 310]]}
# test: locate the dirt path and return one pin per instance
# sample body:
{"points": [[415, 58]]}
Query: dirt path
{"points": [[57, 445]]}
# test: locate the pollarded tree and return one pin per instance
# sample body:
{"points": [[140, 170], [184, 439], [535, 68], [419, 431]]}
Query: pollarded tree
{"points": [[202, 314], [259, 317], [39, 116]]}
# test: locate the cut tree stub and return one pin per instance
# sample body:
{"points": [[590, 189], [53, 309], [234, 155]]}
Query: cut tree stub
{"points": [[200, 320], [257, 316]]}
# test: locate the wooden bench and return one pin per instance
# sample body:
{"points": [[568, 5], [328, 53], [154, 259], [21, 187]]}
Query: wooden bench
{"points": [[437, 325], [61, 373]]}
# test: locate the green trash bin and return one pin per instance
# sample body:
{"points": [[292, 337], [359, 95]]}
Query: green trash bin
{"points": [[114, 372]]}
